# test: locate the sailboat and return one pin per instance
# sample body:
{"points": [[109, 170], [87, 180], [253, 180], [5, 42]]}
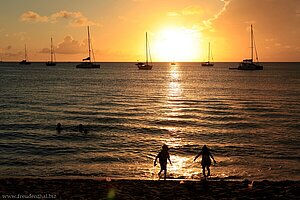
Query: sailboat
{"points": [[208, 63], [173, 63], [248, 64], [146, 66], [25, 62], [51, 63], [88, 61]]}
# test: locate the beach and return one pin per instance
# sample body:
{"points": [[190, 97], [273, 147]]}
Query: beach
{"points": [[100, 188]]}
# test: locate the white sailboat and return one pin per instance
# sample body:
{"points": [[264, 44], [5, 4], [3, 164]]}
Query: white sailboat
{"points": [[146, 66], [248, 64], [87, 62], [208, 63], [52, 55], [25, 62]]}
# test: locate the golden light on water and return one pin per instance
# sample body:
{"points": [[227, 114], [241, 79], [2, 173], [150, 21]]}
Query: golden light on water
{"points": [[174, 89], [173, 94], [179, 165]]}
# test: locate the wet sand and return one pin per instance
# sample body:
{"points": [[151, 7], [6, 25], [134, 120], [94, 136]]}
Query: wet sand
{"points": [[83, 188]]}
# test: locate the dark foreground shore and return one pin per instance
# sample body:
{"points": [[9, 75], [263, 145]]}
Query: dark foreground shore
{"points": [[45, 188]]}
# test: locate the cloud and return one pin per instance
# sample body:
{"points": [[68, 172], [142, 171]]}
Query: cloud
{"points": [[208, 23], [191, 10], [31, 16], [70, 46], [275, 26], [187, 11], [206, 12], [76, 19]]}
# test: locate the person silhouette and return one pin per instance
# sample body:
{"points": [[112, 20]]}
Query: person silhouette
{"points": [[206, 161], [163, 157], [58, 127], [80, 128]]}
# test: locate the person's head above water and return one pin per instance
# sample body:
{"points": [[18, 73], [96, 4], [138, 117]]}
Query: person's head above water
{"points": [[58, 126]]}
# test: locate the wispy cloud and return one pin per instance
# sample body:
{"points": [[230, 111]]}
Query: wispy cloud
{"points": [[31, 16], [190, 10], [76, 19], [208, 23]]}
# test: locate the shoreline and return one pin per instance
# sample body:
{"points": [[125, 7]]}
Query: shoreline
{"points": [[111, 188]]}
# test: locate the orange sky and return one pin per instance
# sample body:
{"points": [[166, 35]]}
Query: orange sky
{"points": [[179, 30]]}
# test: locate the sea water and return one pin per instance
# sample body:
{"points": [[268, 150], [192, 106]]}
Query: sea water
{"points": [[249, 119]]}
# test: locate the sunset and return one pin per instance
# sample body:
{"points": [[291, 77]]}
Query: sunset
{"points": [[150, 99], [179, 30]]}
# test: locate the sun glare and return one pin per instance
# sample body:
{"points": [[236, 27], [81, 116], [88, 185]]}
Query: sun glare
{"points": [[177, 44]]}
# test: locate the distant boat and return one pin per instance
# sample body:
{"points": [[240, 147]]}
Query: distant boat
{"points": [[248, 64], [146, 66], [88, 61], [173, 63], [51, 63], [25, 62], [208, 63]]}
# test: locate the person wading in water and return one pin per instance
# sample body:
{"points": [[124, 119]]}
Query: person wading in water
{"points": [[163, 157], [206, 161]]}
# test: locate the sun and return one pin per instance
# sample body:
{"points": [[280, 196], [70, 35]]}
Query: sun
{"points": [[177, 44]]}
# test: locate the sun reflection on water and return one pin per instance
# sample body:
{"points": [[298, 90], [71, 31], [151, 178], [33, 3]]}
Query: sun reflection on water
{"points": [[174, 89]]}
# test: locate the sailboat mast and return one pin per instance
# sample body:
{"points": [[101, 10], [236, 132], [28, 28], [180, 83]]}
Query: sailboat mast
{"points": [[25, 53], [208, 51], [251, 37], [51, 51], [146, 49], [89, 42]]}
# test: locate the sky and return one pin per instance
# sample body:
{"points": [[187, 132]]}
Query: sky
{"points": [[178, 30]]}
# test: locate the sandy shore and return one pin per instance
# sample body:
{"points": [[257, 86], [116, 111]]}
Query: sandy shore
{"points": [[75, 188]]}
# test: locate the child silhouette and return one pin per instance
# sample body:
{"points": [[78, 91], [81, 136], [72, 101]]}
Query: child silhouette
{"points": [[163, 157], [205, 162]]}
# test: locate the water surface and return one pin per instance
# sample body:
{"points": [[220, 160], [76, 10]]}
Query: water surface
{"points": [[250, 120]]}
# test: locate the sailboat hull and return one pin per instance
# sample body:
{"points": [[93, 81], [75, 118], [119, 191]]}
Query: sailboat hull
{"points": [[50, 63], [207, 64], [24, 62], [87, 65], [142, 66], [250, 66]]}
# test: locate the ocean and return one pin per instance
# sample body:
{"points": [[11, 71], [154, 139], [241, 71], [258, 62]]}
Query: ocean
{"points": [[249, 119]]}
